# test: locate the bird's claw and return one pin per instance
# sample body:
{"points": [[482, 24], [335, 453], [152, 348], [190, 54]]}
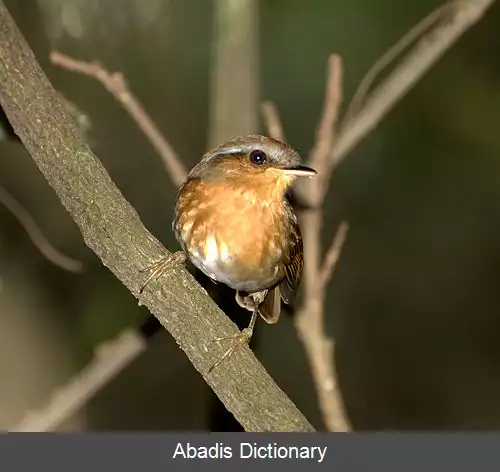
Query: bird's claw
{"points": [[239, 340], [161, 266], [246, 334]]}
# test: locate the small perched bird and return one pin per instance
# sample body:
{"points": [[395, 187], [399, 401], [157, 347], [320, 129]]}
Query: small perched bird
{"points": [[233, 220]]}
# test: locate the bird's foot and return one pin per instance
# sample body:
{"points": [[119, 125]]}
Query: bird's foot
{"points": [[251, 301], [237, 341], [161, 266]]}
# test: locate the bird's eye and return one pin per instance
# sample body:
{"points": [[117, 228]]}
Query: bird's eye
{"points": [[258, 157]]}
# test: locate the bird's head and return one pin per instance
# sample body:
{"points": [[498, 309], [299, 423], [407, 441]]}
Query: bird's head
{"points": [[253, 162]]}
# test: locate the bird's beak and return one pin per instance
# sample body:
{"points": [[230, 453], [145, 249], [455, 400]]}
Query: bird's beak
{"points": [[299, 171]]}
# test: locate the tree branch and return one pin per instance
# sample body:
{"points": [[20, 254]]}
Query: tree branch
{"points": [[272, 121], [389, 56], [109, 360], [325, 133], [309, 316], [333, 254], [116, 85], [113, 230], [36, 235], [456, 20]]}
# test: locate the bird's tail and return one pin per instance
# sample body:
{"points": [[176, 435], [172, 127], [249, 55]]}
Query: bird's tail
{"points": [[270, 308]]}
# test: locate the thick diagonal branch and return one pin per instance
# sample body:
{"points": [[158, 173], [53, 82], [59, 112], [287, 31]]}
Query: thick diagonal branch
{"points": [[113, 230]]}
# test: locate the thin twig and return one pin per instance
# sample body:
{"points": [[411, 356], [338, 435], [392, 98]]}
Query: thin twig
{"points": [[333, 254], [331, 105], [272, 121], [36, 235], [109, 360], [389, 56], [117, 86], [325, 134], [462, 16]]}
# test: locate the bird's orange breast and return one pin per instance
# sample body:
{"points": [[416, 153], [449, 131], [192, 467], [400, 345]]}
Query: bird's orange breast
{"points": [[232, 233]]}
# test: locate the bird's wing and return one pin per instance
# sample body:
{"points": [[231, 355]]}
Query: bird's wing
{"points": [[293, 263], [270, 308]]}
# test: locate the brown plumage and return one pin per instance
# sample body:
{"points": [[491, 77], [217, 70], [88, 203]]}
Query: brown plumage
{"points": [[235, 223]]}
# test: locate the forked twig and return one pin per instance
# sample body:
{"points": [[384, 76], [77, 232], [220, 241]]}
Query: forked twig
{"points": [[117, 86], [309, 317]]}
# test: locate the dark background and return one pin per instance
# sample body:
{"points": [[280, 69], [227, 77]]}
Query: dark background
{"points": [[414, 302]]}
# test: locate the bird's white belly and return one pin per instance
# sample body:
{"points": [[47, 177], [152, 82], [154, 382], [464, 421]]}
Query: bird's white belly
{"points": [[228, 264]]}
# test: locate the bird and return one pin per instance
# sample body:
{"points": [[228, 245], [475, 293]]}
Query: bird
{"points": [[234, 221]]}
